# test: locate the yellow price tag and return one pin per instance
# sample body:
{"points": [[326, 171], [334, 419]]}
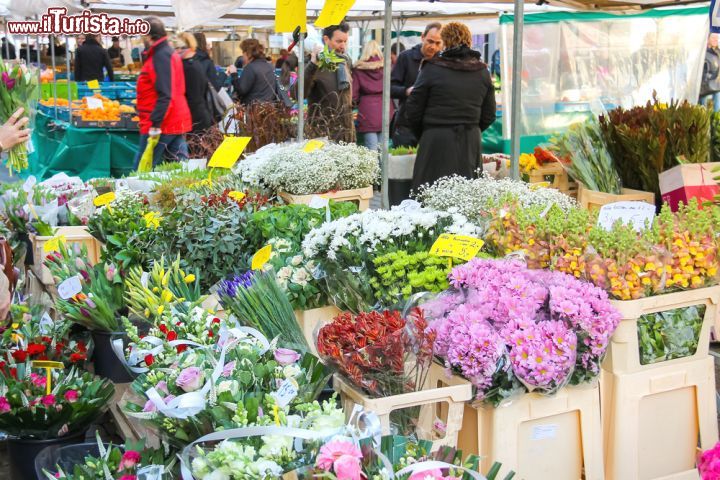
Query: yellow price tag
{"points": [[456, 246], [535, 186], [49, 366], [229, 151], [290, 14], [104, 199], [93, 85], [313, 145], [333, 12], [237, 196], [53, 245], [261, 257]]}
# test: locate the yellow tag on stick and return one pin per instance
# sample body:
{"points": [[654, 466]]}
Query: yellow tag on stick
{"points": [[313, 145], [229, 151], [261, 257], [237, 196], [290, 14], [104, 199], [49, 366], [456, 246], [53, 245], [93, 85], [333, 12]]}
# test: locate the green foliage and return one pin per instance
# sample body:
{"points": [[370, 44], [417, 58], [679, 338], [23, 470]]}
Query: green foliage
{"points": [[669, 335]]}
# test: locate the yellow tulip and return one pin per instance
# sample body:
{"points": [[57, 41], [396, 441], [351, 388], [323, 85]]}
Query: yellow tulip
{"points": [[190, 278]]}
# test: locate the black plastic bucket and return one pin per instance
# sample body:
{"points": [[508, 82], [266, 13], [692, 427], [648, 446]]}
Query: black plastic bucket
{"points": [[22, 453], [64, 456], [106, 362]]}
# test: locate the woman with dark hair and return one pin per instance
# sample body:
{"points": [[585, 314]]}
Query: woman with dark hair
{"points": [[257, 83], [196, 83], [202, 55], [452, 101]]}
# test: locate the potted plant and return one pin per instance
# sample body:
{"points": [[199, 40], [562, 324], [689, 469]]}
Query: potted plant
{"points": [[37, 414], [97, 305]]}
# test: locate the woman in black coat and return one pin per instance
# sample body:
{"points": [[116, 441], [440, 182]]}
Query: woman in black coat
{"points": [[196, 83], [257, 82], [452, 101], [202, 55]]}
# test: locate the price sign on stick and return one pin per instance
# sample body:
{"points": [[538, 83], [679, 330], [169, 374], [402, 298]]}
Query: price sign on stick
{"points": [[333, 12], [104, 199], [261, 257], [69, 288], [93, 85], [289, 14], [53, 245], [49, 367], [228, 152], [313, 145], [456, 246]]}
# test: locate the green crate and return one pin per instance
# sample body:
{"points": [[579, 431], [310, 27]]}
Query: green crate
{"points": [[46, 90]]}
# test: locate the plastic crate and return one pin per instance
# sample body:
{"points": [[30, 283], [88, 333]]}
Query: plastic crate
{"points": [[652, 420], [116, 124], [310, 319], [73, 235], [46, 90], [539, 436], [590, 199], [434, 402], [624, 350], [360, 196]]}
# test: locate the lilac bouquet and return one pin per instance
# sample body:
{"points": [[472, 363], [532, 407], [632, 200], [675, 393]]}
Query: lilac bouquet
{"points": [[507, 328]]}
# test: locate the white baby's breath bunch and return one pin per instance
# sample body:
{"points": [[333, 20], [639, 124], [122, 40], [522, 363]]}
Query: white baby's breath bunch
{"points": [[289, 169], [474, 197]]}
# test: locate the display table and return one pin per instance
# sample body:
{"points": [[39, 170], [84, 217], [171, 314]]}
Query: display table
{"points": [[83, 152]]}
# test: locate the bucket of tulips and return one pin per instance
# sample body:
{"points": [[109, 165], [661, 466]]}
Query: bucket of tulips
{"points": [[42, 406]]}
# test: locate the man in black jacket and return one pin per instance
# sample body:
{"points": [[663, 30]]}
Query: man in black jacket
{"points": [[90, 59], [405, 73], [115, 52]]}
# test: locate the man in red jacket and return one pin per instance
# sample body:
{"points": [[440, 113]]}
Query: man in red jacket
{"points": [[161, 103]]}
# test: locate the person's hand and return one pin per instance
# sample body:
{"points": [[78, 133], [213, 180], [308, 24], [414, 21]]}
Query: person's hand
{"points": [[13, 131], [314, 54], [155, 132], [408, 91], [231, 69]]}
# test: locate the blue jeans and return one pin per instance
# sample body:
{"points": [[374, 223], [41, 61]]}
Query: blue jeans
{"points": [[715, 98], [169, 147], [372, 140]]}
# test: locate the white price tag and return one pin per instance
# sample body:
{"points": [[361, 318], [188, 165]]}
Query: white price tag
{"points": [[285, 394], [144, 279], [544, 432], [409, 206], [46, 324], [94, 102], [69, 288], [319, 202], [29, 184], [637, 214]]}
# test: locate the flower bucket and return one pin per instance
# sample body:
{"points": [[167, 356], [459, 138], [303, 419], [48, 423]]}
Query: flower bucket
{"points": [[22, 453], [106, 362], [66, 456], [361, 196], [400, 172]]}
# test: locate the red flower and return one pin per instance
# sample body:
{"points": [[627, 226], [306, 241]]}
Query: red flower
{"points": [[19, 355], [13, 373], [35, 349], [210, 334], [171, 335], [149, 359], [163, 329], [215, 320], [78, 357], [181, 348], [81, 347], [46, 339]]}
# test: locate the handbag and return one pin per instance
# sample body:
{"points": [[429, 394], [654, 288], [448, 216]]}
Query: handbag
{"points": [[215, 103], [282, 94]]}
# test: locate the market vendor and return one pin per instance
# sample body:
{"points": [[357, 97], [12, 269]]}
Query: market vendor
{"points": [[161, 102], [115, 52], [90, 59]]}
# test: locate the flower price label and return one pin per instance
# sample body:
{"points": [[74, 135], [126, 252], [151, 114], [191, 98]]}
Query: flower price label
{"points": [[313, 145], [456, 246], [49, 366], [104, 199], [261, 257], [29, 184], [318, 201], [289, 15], [93, 85], [94, 103], [69, 288], [637, 214], [46, 324], [229, 151], [286, 393], [333, 12], [53, 245]]}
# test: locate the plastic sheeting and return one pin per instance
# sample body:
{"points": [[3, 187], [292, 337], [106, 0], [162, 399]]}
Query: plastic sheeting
{"points": [[579, 65], [191, 13], [30, 8]]}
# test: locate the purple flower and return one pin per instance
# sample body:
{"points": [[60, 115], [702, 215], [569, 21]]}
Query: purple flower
{"points": [[285, 356], [190, 379], [90, 303], [149, 407], [230, 286], [228, 369], [162, 387], [84, 312], [9, 82]]}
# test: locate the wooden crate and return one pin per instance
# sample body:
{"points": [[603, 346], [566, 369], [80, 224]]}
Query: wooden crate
{"points": [[132, 429], [73, 235], [538, 436], [552, 173], [310, 319], [447, 400], [652, 420], [591, 199], [624, 349], [360, 196]]}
